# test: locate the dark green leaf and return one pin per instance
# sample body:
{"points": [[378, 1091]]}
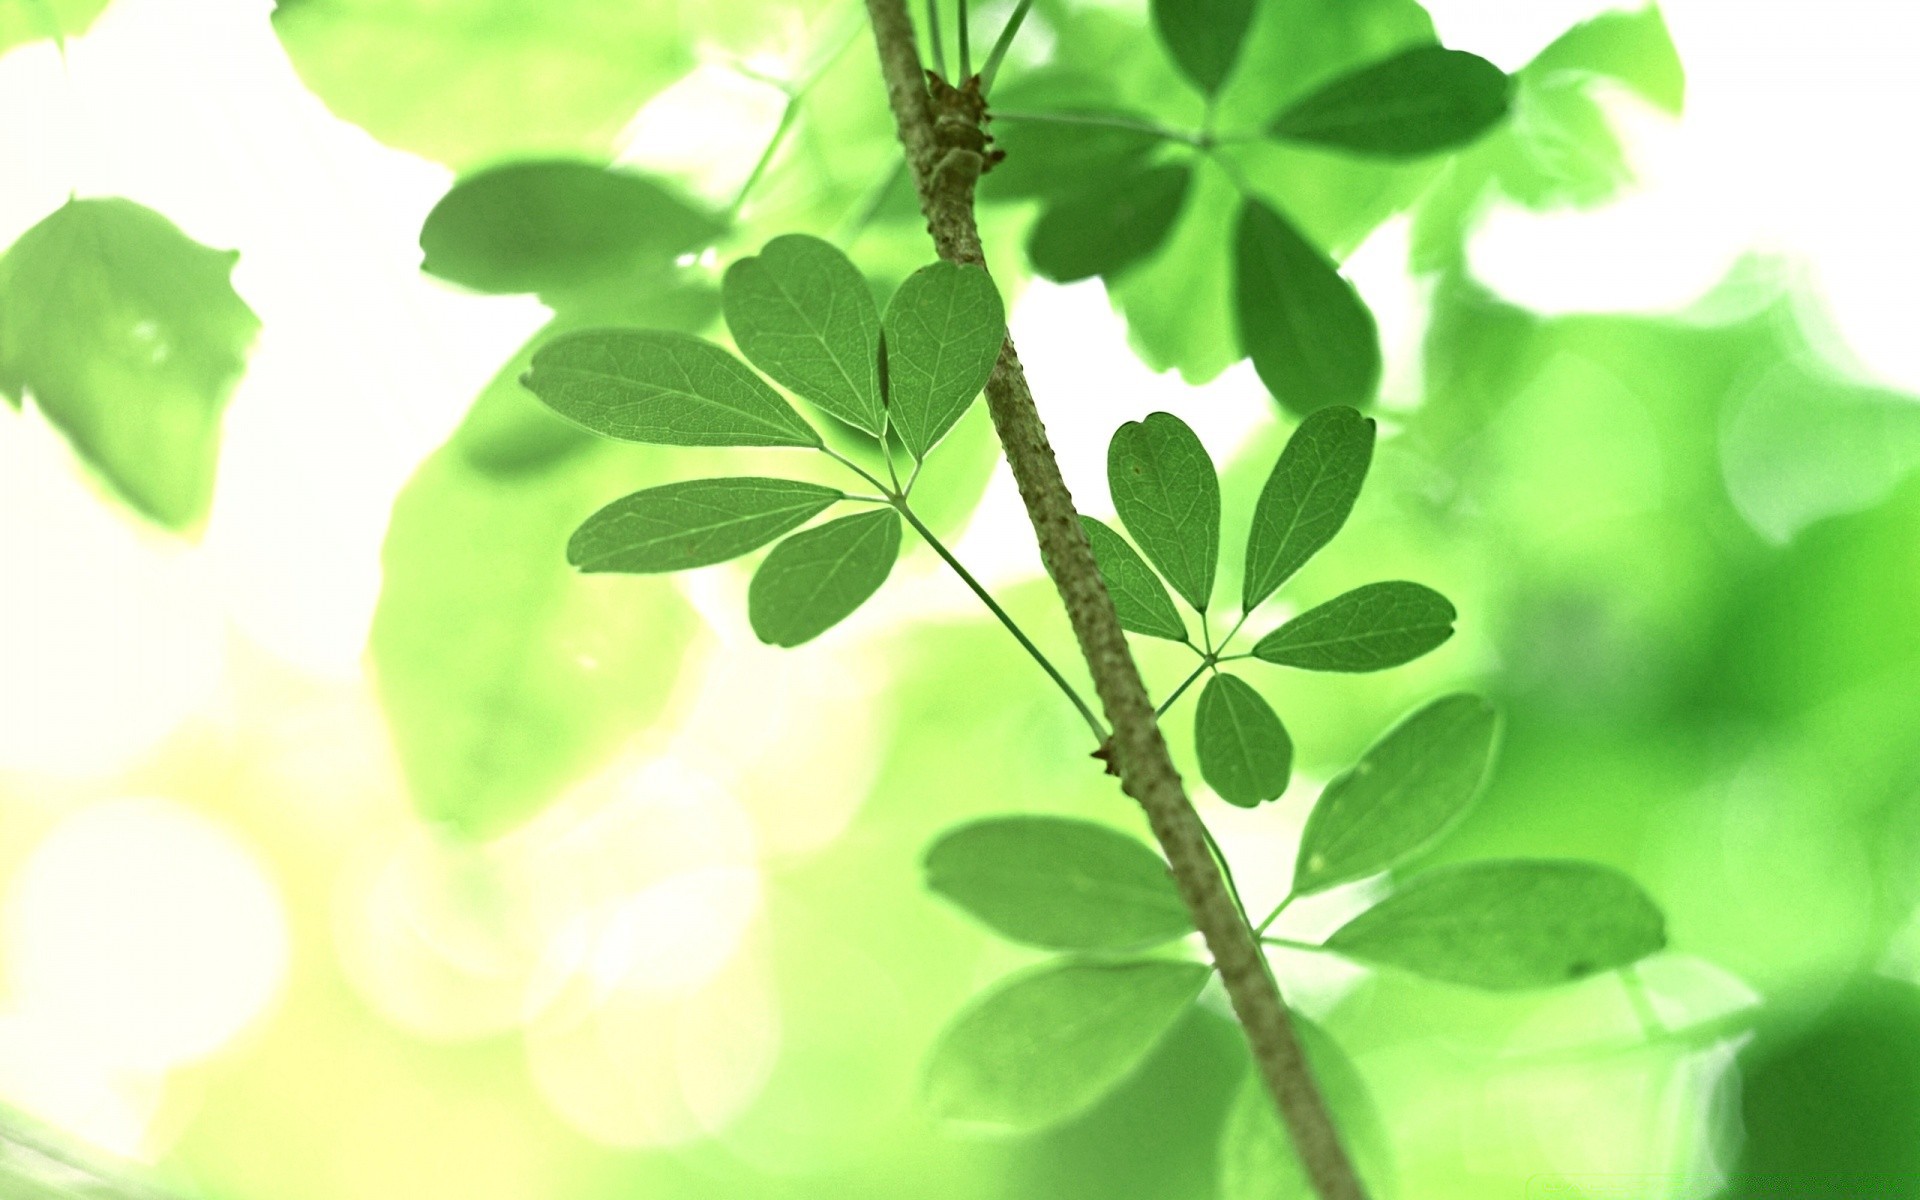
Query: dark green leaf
{"points": [[504, 674], [669, 389], [1168, 497], [1138, 595], [1257, 1159], [1049, 1042], [129, 337], [1307, 498], [551, 226], [1508, 925], [1369, 628], [1420, 101], [1053, 159], [1312, 339], [1406, 791], [815, 579], [1244, 751], [694, 524], [1203, 36], [23, 21], [801, 312], [1059, 883], [1104, 230], [943, 333]]}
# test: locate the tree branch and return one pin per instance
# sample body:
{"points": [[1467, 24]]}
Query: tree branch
{"points": [[946, 147]]}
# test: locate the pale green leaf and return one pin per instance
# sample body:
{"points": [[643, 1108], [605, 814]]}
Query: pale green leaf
{"points": [[1307, 498], [817, 578], [1138, 595], [1049, 1042], [1369, 628], [694, 524], [23, 21], [1059, 883], [1634, 47], [669, 389], [1168, 497], [1312, 339], [1508, 925], [1256, 1156], [1419, 101], [1203, 36], [557, 225], [1244, 751], [1408, 789], [1108, 227], [801, 312], [129, 337], [943, 333]]}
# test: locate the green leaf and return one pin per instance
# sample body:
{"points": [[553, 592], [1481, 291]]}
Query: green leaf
{"points": [[473, 81], [1047, 1043], [1059, 883], [1412, 786], [556, 225], [1369, 628], [1420, 101], [1053, 159], [1307, 498], [670, 389], [129, 337], [1508, 925], [694, 524], [815, 579], [23, 21], [1138, 595], [1312, 339], [1256, 1156], [1244, 751], [1203, 36], [504, 674], [943, 333], [1633, 47], [1104, 230], [1168, 497], [801, 312]]}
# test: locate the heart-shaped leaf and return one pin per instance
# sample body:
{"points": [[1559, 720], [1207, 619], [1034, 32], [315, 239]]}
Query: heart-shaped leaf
{"points": [[943, 333], [801, 312], [1168, 496], [818, 577]]}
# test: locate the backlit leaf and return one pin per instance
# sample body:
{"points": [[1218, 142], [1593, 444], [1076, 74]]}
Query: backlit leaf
{"points": [[1406, 791], [801, 312], [1420, 101], [1369, 628], [666, 388], [1168, 497], [943, 332], [1307, 498], [1634, 47], [1049, 1042], [1312, 339], [817, 578], [1203, 36], [23, 21], [1257, 1159], [1059, 883], [1244, 751], [129, 337], [1508, 925], [1138, 595], [1105, 229], [550, 226], [694, 524]]}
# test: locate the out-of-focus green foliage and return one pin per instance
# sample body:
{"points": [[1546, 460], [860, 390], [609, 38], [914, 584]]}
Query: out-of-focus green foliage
{"points": [[23, 21]]}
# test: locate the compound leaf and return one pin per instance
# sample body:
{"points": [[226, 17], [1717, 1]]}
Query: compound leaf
{"points": [[1168, 497], [801, 312], [694, 524], [1203, 36], [943, 332], [1508, 925], [1050, 1041], [1407, 789], [1244, 751], [1419, 101], [1312, 339], [130, 338], [1108, 228], [670, 389], [1138, 595], [1369, 628], [1307, 498], [1059, 883], [817, 578]]}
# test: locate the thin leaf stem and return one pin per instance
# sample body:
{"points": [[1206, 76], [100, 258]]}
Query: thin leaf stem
{"points": [[935, 45], [1104, 121], [1261, 929], [1002, 44], [788, 115], [859, 470], [966, 42], [1013, 627], [1181, 690], [1295, 944], [1226, 873]]}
